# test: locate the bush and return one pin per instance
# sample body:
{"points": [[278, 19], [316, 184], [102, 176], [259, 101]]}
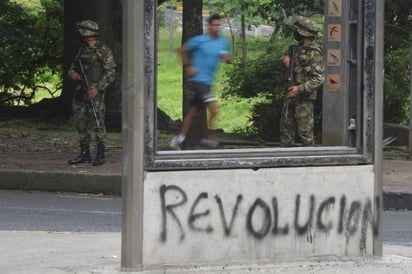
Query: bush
{"points": [[261, 78], [264, 78], [396, 87], [32, 47]]}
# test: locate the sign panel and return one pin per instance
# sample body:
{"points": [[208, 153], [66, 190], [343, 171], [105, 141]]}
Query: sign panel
{"points": [[334, 32], [335, 8], [333, 82], [334, 57], [245, 215]]}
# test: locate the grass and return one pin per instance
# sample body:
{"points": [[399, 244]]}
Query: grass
{"points": [[396, 153], [169, 79]]}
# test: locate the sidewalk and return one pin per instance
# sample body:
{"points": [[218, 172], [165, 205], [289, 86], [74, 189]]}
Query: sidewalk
{"points": [[39, 252], [47, 171], [397, 184], [57, 253]]}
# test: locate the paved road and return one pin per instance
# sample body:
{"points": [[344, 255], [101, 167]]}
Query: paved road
{"points": [[397, 227], [42, 211]]}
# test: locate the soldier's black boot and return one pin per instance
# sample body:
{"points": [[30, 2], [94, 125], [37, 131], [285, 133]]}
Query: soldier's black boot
{"points": [[83, 157], [99, 160]]}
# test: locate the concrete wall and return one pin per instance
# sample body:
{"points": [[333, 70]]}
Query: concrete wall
{"points": [[193, 217]]}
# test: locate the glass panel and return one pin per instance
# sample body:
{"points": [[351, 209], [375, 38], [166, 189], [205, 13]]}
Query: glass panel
{"points": [[252, 87]]}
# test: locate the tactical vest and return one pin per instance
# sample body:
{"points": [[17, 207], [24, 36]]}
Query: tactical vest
{"points": [[306, 61], [92, 62]]}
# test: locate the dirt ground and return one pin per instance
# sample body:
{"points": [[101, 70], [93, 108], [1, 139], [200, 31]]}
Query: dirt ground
{"points": [[51, 155]]}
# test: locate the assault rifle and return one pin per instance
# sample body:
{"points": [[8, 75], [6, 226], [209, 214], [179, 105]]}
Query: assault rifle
{"points": [[85, 88], [290, 78], [290, 75]]}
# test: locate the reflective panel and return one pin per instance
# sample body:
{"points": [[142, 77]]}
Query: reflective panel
{"points": [[274, 89]]}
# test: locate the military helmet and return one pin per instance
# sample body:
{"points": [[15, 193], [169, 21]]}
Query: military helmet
{"points": [[305, 26], [88, 28]]}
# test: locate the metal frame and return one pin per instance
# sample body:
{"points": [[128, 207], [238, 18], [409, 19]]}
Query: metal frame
{"points": [[360, 153]]}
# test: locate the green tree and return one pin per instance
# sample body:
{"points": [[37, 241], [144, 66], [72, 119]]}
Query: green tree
{"points": [[398, 33], [257, 12], [244, 11], [31, 52]]}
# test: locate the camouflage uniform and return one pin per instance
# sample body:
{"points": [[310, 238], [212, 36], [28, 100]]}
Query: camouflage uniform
{"points": [[297, 113], [99, 66]]}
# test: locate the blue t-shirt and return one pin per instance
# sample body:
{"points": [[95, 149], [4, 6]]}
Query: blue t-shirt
{"points": [[206, 56]]}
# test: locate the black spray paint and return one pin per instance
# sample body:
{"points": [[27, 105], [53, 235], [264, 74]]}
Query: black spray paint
{"points": [[228, 228], [263, 217], [169, 208]]}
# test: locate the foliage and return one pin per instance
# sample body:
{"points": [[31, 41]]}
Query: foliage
{"points": [[398, 26], [257, 77], [277, 14], [32, 40], [261, 77], [396, 86], [234, 9], [265, 11]]}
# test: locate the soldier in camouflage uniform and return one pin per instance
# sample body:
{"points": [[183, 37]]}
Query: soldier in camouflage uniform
{"points": [[297, 112], [99, 67]]}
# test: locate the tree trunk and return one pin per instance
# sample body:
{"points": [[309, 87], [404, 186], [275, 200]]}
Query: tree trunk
{"points": [[107, 13], [192, 26], [243, 38]]}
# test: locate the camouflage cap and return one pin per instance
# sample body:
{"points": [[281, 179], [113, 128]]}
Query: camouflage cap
{"points": [[88, 28], [305, 26]]}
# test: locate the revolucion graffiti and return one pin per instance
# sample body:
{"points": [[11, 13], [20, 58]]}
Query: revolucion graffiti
{"points": [[352, 216]]}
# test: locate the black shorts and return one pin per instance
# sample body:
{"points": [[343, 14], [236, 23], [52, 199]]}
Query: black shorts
{"points": [[200, 94]]}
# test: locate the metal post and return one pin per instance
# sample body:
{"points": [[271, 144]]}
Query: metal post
{"points": [[133, 113], [410, 104], [378, 113]]}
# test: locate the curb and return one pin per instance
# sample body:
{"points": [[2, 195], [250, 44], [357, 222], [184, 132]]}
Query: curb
{"points": [[112, 185], [397, 201], [60, 182]]}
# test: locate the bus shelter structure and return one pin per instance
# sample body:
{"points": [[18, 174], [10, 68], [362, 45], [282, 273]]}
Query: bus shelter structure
{"points": [[185, 208]]}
